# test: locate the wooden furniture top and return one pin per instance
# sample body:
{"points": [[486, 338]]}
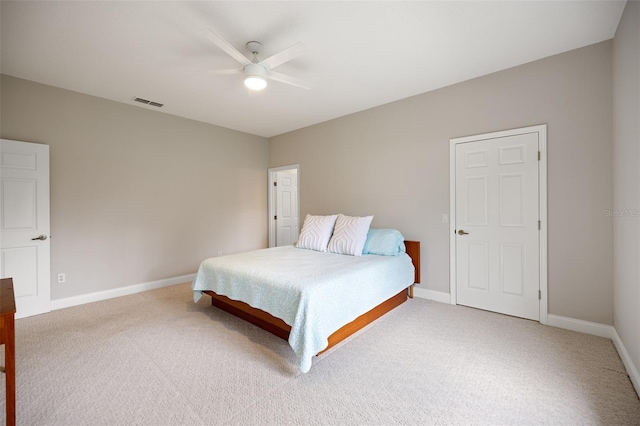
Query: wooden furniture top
{"points": [[7, 301]]}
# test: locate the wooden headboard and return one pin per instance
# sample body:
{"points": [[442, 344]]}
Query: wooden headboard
{"points": [[413, 250]]}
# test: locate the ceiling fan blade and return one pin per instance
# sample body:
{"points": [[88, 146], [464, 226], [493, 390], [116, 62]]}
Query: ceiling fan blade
{"points": [[284, 78], [284, 56], [224, 45], [227, 71]]}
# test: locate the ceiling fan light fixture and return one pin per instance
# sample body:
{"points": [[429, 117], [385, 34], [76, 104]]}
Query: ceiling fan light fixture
{"points": [[255, 76], [255, 82]]}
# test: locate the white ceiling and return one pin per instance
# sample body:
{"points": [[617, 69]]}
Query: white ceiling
{"points": [[360, 53]]}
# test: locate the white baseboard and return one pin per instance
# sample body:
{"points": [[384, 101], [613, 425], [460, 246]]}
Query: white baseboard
{"points": [[117, 292], [436, 296], [632, 370], [601, 330], [581, 326]]}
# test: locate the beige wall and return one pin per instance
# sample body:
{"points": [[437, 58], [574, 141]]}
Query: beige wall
{"points": [[626, 161], [137, 195], [393, 162]]}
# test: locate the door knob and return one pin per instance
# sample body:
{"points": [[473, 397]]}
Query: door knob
{"points": [[461, 232], [41, 238]]}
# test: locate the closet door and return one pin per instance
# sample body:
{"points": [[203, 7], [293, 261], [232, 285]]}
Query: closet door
{"points": [[497, 224]]}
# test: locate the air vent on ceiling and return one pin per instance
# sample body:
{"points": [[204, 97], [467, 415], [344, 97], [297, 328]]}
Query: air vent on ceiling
{"points": [[148, 102]]}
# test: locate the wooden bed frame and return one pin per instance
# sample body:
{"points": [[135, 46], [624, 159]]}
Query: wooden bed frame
{"points": [[281, 329]]}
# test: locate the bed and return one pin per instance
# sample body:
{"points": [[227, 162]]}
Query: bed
{"points": [[311, 298]]}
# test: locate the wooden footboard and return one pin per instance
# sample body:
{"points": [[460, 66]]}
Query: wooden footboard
{"points": [[366, 319], [281, 329], [255, 316]]}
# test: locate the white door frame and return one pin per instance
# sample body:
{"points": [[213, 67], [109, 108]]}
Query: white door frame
{"points": [[542, 194], [271, 204]]}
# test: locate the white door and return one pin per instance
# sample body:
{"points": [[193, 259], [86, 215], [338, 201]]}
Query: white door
{"points": [[286, 207], [496, 224], [24, 224]]}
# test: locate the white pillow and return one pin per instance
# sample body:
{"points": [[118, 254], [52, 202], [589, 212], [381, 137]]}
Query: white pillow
{"points": [[349, 235], [316, 231]]}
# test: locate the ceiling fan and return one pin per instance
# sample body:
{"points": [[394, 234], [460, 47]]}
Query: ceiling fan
{"points": [[257, 72]]}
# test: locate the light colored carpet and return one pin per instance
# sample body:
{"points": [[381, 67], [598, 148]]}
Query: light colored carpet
{"points": [[156, 358]]}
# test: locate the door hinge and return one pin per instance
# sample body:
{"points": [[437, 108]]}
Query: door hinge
{"points": [[539, 225], [275, 217], [275, 183], [539, 295], [538, 155]]}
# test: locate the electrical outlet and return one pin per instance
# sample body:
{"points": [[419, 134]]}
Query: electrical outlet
{"points": [[219, 253], [62, 278]]}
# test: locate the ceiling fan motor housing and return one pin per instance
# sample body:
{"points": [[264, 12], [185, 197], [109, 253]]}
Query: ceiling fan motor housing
{"points": [[255, 70]]}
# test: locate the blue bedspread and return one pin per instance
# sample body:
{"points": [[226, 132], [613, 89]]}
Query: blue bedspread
{"points": [[315, 293]]}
